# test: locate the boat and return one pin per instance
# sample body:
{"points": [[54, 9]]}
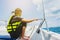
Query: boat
{"points": [[35, 32], [43, 35]]}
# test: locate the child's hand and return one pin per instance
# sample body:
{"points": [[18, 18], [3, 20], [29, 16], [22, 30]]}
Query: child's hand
{"points": [[36, 19]]}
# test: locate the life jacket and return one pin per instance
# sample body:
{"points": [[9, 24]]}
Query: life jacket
{"points": [[11, 27], [15, 28]]}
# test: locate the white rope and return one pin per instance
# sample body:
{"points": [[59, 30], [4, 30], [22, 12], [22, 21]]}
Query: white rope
{"points": [[32, 32]]}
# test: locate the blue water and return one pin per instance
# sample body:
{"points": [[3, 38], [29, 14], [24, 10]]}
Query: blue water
{"points": [[54, 29]]}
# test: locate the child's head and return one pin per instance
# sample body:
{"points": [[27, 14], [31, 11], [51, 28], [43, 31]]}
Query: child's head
{"points": [[18, 12]]}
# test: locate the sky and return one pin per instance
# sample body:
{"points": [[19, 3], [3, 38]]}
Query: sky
{"points": [[32, 9]]}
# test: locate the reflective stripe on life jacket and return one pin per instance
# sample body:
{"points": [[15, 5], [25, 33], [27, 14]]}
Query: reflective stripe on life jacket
{"points": [[12, 27]]}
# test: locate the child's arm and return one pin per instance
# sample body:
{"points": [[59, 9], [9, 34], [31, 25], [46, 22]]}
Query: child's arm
{"points": [[28, 21]]}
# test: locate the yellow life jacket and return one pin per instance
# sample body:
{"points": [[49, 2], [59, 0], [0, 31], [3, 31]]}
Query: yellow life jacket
{"points": [[12, 27]]}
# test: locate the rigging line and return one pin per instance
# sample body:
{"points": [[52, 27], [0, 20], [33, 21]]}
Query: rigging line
{"points": [[44, 20], [44, 15], [38, 29], [32, 32], [40, 25]]}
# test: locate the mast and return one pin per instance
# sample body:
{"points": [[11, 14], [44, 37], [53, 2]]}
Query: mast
{"points": [[44, 15]]}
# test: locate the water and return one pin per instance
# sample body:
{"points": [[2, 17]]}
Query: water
{"points": [[54, 29]]}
